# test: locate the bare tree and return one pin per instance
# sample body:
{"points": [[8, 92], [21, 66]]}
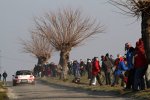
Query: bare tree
{"points": [[39, 47], [139, 9], [66, 29]]}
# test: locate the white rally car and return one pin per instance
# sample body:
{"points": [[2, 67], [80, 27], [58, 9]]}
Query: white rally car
{"points": [[23, 76]]}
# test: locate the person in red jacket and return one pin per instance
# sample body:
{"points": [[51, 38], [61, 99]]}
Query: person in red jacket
{"points": [[95, 71], [140, 65]]}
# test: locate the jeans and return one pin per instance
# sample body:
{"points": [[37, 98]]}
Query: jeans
{"points": [[139, 83], [116, 79], [130, 81]]}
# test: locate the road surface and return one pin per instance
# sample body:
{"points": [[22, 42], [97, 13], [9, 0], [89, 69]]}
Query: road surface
{"points": [[44, 91]]}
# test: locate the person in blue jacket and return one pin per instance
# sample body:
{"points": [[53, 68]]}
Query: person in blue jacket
{"points": [[76, 71], [119, 71], [130, 51]]}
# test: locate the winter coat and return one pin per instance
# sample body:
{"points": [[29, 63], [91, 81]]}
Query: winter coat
{"points": [[95, 67], [107, 64], [4, 74], [76, 69], [120, 67], [129, 57], [89, 66], [82, 65], [139, 58]]}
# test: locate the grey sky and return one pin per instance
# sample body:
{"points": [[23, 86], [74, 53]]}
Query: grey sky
{"points": [[16, 18]]}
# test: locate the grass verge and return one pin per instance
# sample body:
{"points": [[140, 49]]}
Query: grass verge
{"points": [[3, 92], [84, 84]]}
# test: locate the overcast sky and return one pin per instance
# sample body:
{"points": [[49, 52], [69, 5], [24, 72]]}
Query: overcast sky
{"points": [[16, 19]]}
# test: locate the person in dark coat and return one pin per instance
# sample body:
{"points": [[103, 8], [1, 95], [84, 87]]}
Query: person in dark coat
{"points": [[76, 71], [112, 59], [4, 77], [106, 66], [89, 68], [82, 67], [0, 76]]}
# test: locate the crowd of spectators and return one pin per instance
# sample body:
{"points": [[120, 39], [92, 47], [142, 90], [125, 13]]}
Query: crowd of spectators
{"points": [[130, 68]]}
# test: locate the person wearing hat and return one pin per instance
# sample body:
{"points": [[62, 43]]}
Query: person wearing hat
{"points": [[106, 66], [89, 68], [140, 65], [120, 68], [129, 59]]}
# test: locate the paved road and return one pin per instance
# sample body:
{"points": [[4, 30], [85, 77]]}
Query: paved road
{"points": [[44, 91]]}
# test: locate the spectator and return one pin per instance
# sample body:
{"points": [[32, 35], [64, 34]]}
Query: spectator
{"points": [[53, 68], [0, 76], [106, 66], [112, 59], [70, 63], [140, 64], [48, 72], [82, 67], [89, 68], [110, 62], [40, 74], [129, 58], [4, 77], [95, 71], [76, 71], [119, 71]]}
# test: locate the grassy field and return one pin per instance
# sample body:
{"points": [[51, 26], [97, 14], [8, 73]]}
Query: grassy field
{"points": [[3, 90], [117, 90]]}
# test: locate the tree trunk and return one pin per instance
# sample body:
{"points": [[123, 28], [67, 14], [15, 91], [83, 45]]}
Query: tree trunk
{"points": [[41, 60], [146, 39], [63, 63]]}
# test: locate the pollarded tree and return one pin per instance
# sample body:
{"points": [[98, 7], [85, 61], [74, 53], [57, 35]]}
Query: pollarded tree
{"points": [[66, 29], [39, 47], [139, 9]]}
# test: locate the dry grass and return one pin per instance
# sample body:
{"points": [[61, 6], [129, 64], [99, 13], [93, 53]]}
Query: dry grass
{"points": [[3, 95], [84, 84], [140, 95]]}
